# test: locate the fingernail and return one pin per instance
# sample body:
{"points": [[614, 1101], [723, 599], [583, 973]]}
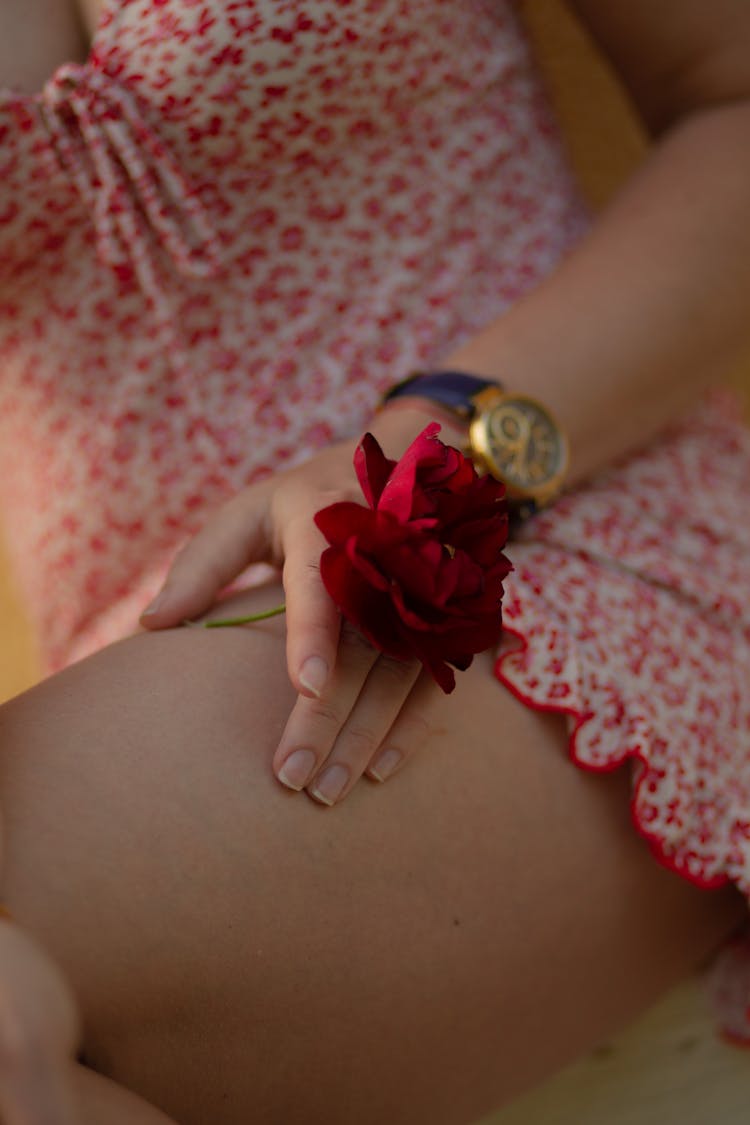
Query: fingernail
{"points": [[331, 784], [385, 765], [313, 674], [296, 770], [157, 604]]}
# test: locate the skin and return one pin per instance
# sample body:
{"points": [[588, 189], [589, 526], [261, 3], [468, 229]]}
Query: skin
{"points": [[36, 36], [39, 1034], [240, 952]]}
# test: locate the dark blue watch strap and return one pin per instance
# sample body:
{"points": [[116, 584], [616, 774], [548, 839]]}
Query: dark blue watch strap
{"points": [[453, 389]]}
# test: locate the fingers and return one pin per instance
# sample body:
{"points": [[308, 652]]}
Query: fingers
{"points": [[409, 734], [361, 723], [236, 536], [314, 723], [312, 619], [267, 522]]}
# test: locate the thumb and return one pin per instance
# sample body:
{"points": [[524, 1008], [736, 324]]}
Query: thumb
{"points": [[234, 537]]}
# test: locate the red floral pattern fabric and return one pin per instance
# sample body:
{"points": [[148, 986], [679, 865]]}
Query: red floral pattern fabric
{"points": [[224, 235], [221, 238], [630, 601], [628, 612]]}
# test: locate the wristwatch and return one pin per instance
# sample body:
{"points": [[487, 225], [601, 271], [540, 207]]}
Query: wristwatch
{"points": [[510, 435]]}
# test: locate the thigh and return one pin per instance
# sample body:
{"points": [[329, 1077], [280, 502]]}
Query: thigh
{"points": [[419, 953], [101, 1102]]}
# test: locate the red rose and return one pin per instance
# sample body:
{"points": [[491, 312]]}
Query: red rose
{"points": [[420, 572]]}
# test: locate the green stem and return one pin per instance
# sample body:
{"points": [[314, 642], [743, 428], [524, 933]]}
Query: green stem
{"points": [[246, 620]]}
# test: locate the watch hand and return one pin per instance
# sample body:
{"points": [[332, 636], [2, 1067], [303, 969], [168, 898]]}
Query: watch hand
{"points": [[512, 429]]}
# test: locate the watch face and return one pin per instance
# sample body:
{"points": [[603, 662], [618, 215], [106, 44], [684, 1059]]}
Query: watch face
{"points": [[523, 446]]}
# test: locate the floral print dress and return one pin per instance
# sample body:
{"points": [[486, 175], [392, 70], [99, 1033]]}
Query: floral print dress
{"points": [[224, 235]]}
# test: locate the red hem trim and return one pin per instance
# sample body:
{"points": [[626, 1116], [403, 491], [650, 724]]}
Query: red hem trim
{"points": [[580, 718], [732, 1039]]}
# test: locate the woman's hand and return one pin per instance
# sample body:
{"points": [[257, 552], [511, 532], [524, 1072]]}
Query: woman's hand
{"points": [[350, 716], [38, 1035]]}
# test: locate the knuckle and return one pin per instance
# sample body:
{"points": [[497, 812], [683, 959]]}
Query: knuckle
{"points": [[212, 572], [325, 712], [302, 571], [332, 495], [298, 525], [198, 554], [355, 643], [402, 673], [360, 742], [295, 510]]}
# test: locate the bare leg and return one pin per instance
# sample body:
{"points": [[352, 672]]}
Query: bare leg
{"points": [[241, 954], [104, 1103]]}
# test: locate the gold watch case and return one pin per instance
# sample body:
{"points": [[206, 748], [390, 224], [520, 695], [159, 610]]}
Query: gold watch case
{"points": [[516, 439]]}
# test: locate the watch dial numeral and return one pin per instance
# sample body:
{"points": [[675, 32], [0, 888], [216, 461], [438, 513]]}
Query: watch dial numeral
{"points": [[510, 435], [523, 443]]}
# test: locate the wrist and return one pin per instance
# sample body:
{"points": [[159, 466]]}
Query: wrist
{"points": [[507, 434]]}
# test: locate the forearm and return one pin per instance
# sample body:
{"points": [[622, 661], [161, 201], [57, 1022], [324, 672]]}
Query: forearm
{"points": [[649, 308]]}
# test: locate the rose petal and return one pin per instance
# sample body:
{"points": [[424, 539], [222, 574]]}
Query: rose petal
{"points": [[420, 571], [397, 496], [341, 520], [438, 669], [483, 540], [369, 610], [413, 565], [470, 638], [373, 468], [338, 521], [366, 567]]}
